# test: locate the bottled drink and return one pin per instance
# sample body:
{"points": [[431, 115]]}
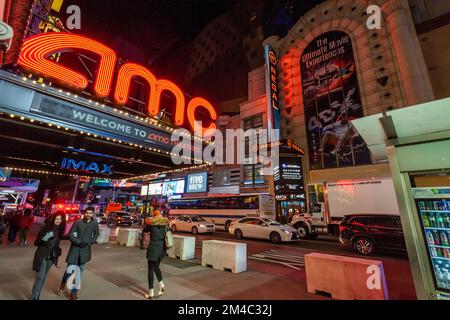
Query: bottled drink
{"points": [[433, 252], [432, 220], [422, 206], [426, 220], [447, 220], [430, 238], [439, 277], [439, 221], [435, 205], [446, 252], [444, 239], [437, 239]]}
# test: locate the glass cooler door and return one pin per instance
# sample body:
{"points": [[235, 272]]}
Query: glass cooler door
{"points": [[433, 205]]}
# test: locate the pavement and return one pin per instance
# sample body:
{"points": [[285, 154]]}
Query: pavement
{"points": [[275, 272]]}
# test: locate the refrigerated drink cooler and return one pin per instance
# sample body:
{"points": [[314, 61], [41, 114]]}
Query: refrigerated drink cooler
{"points": [[433, 206]]}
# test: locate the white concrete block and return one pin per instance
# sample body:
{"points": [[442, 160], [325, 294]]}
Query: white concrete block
{"points": [[103, 237], [183, 247], [128, 237], [346, 278], [223, 255]]}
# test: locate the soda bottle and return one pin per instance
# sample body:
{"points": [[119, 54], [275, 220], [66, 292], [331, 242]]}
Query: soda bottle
{"points": [[426, 220], [439, 277], [446, 252], [432, 220], [447, 220], [439, 221], [430, 238], [422, 206], [433, 252], [444, 239], [437, 239]]}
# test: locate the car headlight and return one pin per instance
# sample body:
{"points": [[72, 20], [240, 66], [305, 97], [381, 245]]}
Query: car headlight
{"points": [[285, 231], [202, 225]]}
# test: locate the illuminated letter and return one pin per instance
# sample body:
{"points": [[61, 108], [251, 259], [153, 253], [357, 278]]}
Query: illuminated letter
{"points": [[200, 102], [129, 70], [36, 49]]}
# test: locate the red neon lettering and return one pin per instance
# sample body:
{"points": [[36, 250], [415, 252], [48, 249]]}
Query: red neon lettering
{"points": [[129, 70], [200, 102], [38, 48], [34, 58]]}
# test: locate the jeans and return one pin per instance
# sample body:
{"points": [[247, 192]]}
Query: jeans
{"points": [[153, 267], [40, 278], [12, 234], [23, 235], [67, 275]]}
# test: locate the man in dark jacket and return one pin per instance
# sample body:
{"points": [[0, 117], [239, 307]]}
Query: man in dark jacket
{"points": [[83, 234]]}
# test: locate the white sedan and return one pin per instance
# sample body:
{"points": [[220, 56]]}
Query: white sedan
{"points": [[263, 228], [194, 224]]}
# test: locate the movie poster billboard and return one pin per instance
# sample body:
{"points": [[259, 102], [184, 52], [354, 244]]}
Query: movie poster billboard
{"points": [[331, 101]]}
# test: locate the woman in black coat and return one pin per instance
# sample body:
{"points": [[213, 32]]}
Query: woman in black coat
{"points": [[48, 250], [157, 226]]}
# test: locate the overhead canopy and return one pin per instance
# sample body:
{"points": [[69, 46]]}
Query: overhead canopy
{"points": [[415, 123]]}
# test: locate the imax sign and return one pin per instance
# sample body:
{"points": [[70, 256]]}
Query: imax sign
{"points": [[91, 167]]}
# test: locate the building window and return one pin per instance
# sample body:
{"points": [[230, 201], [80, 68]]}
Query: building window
{"points": [[252, 172], [253, 175]]}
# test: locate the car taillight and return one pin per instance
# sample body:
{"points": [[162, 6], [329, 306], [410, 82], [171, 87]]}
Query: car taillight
{"points": [[78, 217], [71, 219], [342, 228]]}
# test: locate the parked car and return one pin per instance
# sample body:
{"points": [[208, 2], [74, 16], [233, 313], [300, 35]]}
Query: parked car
{"points": [[101, 218], [135, 218], [194, 224], [119, 218], [368, 233], [263, 228]]}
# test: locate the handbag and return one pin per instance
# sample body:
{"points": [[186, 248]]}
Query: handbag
{"points": [[168, 239]]}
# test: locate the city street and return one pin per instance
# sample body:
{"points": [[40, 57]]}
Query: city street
{"points": [[117, 272]]}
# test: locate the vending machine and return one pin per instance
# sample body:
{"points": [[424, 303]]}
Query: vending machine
{"points": [[433, 207]]}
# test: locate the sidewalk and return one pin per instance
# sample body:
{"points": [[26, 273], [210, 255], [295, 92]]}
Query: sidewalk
{"points": [[120, 273]]}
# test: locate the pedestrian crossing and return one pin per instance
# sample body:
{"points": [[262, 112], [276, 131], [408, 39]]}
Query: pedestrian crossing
{"points": [[288, 258]]}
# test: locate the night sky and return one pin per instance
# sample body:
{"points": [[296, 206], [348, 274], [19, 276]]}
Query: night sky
{"points": [[149, 24]]}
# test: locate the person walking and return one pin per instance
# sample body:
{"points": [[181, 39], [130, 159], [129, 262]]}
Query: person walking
{"points": [[48, 250], [13, 222], [82, 235], [25, 223], [156, 251]]}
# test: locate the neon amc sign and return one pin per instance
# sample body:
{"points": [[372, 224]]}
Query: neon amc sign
{"points": [[34, 58]]}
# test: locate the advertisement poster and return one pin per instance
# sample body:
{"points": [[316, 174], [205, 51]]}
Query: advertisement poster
{"points": [[332, 100], [197, 182]]}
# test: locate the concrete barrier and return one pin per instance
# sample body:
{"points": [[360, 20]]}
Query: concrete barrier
{"points": [[224, 255], [103, 237], [345, 278], [128, 237], [183, 247]]}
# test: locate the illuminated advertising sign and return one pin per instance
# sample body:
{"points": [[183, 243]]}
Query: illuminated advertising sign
{"points": [[155, 188], [288, 177], [34, 57], [4, 174], [332, 100], [144, 190], [172, 187], [273, 110], [197, 182], [75, 114], [86, 166]]}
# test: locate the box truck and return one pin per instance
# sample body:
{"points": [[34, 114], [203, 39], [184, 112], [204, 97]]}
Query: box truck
{"points": [[332, 200]]}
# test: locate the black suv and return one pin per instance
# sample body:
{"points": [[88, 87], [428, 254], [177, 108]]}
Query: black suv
{"points": [[367, 233]]}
